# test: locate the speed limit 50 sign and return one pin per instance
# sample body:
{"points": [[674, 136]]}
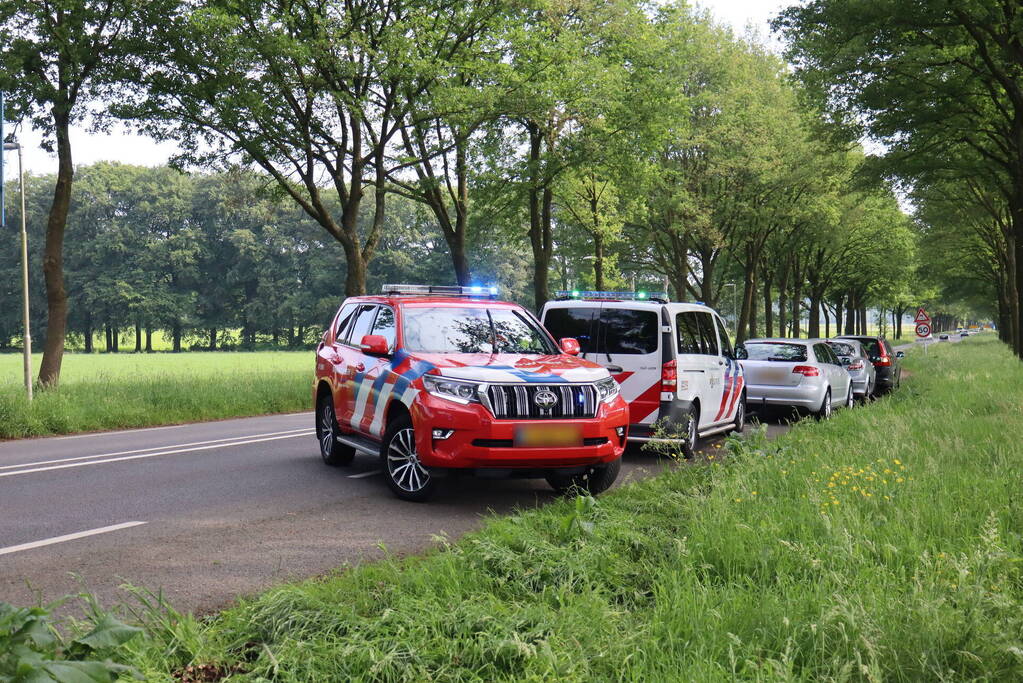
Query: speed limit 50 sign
{"points": [[923, 330]]}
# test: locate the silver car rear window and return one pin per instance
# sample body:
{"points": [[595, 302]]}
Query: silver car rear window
{"points": [[778, 351]]}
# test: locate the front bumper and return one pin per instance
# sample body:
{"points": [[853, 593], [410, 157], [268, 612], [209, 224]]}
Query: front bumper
{"points": [[479, 441]]}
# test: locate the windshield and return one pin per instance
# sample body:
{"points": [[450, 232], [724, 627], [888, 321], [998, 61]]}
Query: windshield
{"points": [[841, 349], [772, 351], [473, 330]]}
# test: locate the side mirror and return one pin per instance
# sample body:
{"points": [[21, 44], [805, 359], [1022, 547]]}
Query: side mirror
{"points": [[900, 354], [374, 345], [846, 361], [570, 346]]}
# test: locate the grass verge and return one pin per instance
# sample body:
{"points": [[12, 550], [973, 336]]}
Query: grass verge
{"points": [[128, 390], [883, 544]]}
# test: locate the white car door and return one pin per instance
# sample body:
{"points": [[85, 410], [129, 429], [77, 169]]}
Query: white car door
{"points": [[699, 375]]}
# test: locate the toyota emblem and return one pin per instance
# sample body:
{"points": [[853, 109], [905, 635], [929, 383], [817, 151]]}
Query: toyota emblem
{"points": [[545, 399]]}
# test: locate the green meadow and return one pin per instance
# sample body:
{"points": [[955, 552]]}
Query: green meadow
{"points": [[884, 544], [113, 391]]}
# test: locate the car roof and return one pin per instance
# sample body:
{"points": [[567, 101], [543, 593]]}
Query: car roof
{"points": [[624, 303], [781, 340], [402, 299]]}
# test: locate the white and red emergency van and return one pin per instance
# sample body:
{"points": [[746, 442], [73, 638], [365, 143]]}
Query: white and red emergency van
{"points": [[674, 361]]}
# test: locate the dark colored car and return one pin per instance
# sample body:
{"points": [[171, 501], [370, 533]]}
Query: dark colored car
{"points": [[887, 367], [942, 337]]}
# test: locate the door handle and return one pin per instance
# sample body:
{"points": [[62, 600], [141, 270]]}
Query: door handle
{"points": [[614, 369]]}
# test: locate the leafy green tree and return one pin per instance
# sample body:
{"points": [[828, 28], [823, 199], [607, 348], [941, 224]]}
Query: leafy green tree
{"points": [[57, 60]]}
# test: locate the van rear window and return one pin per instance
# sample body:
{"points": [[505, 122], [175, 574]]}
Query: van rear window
{"points": [[609, 330], [577, 323], [629, 332]]}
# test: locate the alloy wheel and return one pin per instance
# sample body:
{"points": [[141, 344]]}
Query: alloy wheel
{"points": [[327, 436], [403, 464]]}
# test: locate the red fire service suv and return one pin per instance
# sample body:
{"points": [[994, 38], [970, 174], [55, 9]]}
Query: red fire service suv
{"points": [[439, 380]]}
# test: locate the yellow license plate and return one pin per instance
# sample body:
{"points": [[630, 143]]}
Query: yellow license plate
{"points": [[548, 436]]}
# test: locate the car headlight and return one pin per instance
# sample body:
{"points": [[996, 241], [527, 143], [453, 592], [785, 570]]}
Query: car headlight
{"points": [[451, 389], [607, 389]]}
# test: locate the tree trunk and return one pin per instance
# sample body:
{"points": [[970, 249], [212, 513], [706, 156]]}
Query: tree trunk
{"points": [[115, 336], [850, 314], [814, 322], [88, 332], [355, 277], [827, 320], [213, 339], [598, 262], [110, 339], [783, 287], [138, 337], [753, 307], [149, 340], [540, 200], [768, 308], [176, 336], [53, 256]]}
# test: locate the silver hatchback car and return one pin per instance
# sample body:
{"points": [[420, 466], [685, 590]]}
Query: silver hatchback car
{"points": [[799, 373], [857, 363]]}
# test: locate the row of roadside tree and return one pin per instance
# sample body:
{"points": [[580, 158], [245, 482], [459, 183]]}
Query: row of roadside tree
{"points": [[584, 143]]}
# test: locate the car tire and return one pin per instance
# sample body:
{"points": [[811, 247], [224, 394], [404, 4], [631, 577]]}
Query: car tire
{"points": [[332, 451], [596, 481], [740, 414], [692, 432], [824, 412], [850, 400], [408, 478]]}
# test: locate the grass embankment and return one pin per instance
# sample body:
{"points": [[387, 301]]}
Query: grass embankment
{"points": [[140, 390], [882, 544]]}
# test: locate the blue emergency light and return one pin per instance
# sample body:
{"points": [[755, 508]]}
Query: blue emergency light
{"points": [[489, 292], [587, 295]]}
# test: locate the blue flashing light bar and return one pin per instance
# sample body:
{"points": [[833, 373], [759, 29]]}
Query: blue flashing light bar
{"points": [[611, 296], [489, 292]]}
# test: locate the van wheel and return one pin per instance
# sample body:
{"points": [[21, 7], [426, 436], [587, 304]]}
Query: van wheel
{"points": [[597, 480], [327, 431], [824, 412], [740, 414], [408, 478], [690, 432]]}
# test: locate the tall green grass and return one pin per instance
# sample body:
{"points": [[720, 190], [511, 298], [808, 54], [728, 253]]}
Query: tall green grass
{"points": [[883, 544], [128, 390]]}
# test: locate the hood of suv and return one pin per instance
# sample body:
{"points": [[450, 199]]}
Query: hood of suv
{"points": [[511, 368]]}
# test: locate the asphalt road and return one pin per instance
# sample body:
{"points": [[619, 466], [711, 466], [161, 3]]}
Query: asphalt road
{"points": [[211, 511]]}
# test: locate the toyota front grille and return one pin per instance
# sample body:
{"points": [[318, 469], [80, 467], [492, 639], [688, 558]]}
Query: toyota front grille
{"points": [[529, 401]]}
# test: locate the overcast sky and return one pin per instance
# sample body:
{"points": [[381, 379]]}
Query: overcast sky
{"points": [[132, 149]]}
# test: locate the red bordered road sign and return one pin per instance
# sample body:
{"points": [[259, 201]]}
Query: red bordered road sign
{"points": [[921, 316], [923, 330]]}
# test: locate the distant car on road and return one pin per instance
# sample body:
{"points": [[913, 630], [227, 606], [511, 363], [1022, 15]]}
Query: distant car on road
{"points": [[885, 359], [800, 373], [964, 333], [942, 337], [857, 363]]}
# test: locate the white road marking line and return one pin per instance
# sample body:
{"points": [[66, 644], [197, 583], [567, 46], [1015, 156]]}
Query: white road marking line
{"points": [[153, 429], [68, 537], [363, 475], [151, 455], [304, 430]]}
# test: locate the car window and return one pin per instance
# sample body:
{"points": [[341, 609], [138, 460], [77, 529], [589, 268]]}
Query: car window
{"points": [[774, 351], [384, 325], [726, 344], [824, 354], [687, 330], [361, 324], [695, 332], [577, 323], [345, 317], [841, 349], [627, 331], [472, 330]]}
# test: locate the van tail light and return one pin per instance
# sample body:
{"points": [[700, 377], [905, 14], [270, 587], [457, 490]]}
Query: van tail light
{"points": [[669, 376], [806, 371], [855, 365]]}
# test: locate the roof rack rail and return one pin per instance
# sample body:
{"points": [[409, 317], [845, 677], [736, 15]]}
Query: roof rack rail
{"points": [[488, 292], [587, 295]]}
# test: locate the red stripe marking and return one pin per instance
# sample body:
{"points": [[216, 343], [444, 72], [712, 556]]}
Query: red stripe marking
{"points": [[724, 398], [735, 397]]}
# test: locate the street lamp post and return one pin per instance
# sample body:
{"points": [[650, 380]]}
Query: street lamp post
{"points": [[27, 352]]}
